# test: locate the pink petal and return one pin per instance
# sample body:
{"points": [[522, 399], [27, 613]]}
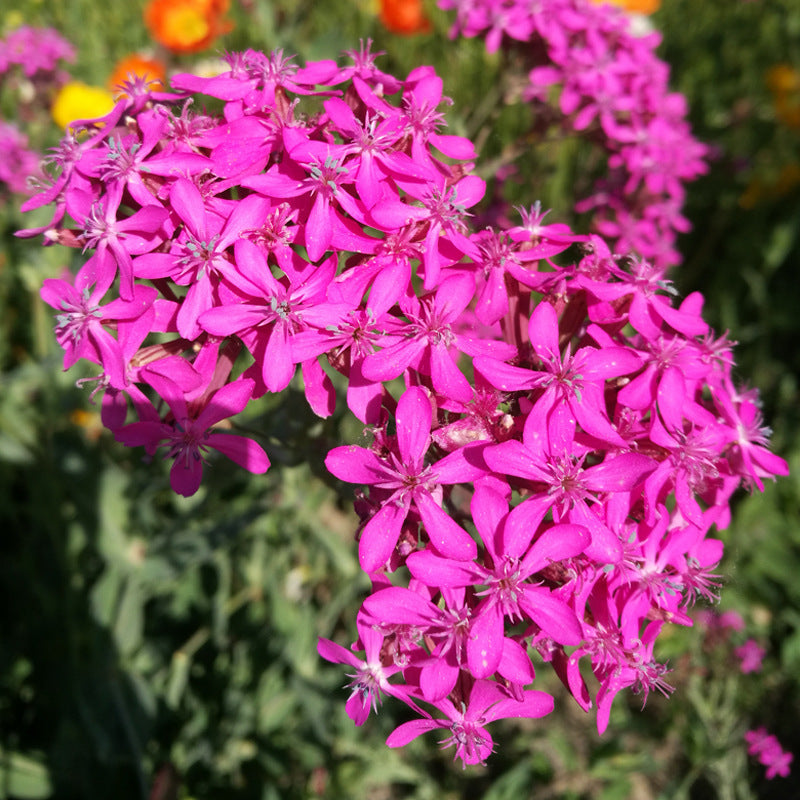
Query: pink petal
{"points": [[485, 643], [555, 544], [414, 416], [522, 524], [227, 401], [438, 679], [337, 654], [390, 362], [187, 201], [278, 368], [620, 473], [409, 731], [543, 332], [241, 450], [446, 377], [401, 606], [318, 228], [185, 475], [535, 704], [444, 533], [514, 458], [551, 614], [504, 376], [515, 665], [464, 465], [440, 572], [380, 535], [318, 387], [356, 465]]}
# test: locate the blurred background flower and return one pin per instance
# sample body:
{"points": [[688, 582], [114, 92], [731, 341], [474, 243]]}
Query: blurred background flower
{"points": [[187, 26], [138, 66], [77, 100], [405, 17], [634, 6]]}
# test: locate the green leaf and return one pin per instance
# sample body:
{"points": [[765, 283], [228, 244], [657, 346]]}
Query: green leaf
{"points": [[178, 678], [129, 624], [23, 777]]}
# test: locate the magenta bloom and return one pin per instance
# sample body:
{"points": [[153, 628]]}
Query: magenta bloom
{"points": [[554, 461], [769, 752], [511, 593], [750, 654], [566, 436], [429, 337], [487, 702], [405, 480], [83, 323], [188, 433], [573, 380], [371, 678]]}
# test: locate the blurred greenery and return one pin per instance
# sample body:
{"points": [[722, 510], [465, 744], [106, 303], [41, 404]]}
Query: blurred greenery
{"points": [[159, 647]]}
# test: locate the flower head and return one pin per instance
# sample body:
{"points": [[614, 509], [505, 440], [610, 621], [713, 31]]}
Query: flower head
{"points": [[405, 17], [186, 26], [136, 67]]}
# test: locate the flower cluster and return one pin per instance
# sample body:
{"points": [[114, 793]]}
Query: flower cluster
{"points": [[37, 52], [19, 162], [30, 70], [767, 749], [551, 438], [613, 91]]}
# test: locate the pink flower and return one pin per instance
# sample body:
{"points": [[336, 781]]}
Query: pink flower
{"points": [[579, 394], [511, 592], [487, 702], [769, 752], [187, 432], [751, 654], [371, 678], [404, 479]]}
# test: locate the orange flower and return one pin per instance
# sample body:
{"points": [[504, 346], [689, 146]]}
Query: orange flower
{"points": [[186, 26], [635, 6], [404, 16], [784, 83], [150, 69], [760, 189]]}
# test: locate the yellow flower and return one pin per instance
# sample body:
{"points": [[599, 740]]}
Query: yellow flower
{"points": [[76, 100]]}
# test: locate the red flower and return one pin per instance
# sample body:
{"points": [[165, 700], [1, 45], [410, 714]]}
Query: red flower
{"points": [[404, 16]]}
